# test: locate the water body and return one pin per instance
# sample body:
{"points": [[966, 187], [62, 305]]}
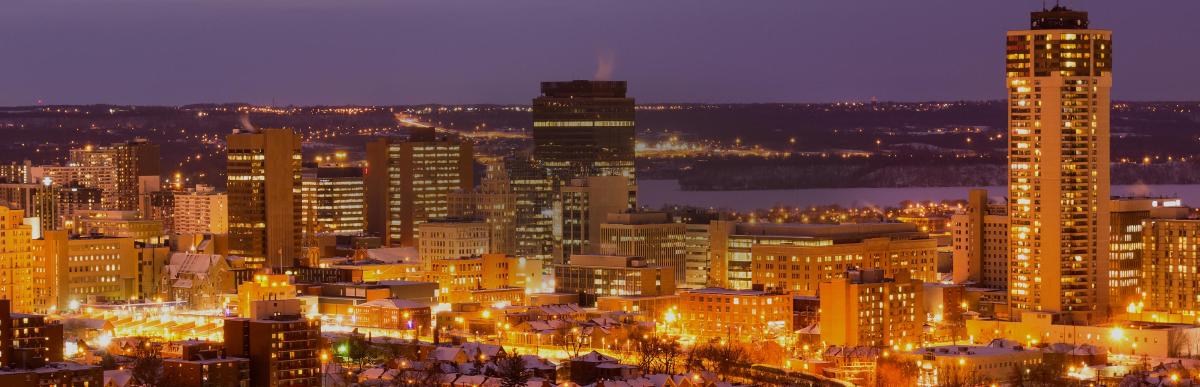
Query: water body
{"points": [[656, 193]]}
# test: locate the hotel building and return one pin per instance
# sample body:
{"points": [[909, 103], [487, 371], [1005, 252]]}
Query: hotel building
{"points": [[1059, 77]]}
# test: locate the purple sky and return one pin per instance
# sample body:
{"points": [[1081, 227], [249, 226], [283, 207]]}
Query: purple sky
{"points": [[446, 51]]}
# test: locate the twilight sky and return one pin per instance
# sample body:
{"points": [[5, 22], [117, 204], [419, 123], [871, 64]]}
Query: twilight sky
{"points": [[170, 52]]}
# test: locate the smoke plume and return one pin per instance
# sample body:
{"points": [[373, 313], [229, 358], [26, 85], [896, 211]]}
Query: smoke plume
{"points": [[605, 62]]}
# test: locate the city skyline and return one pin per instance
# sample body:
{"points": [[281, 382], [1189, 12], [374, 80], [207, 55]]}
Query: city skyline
{"points": [[172, 53]]}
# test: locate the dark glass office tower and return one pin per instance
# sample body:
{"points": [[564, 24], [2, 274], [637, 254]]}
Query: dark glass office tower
{"points": [[584, 128]]}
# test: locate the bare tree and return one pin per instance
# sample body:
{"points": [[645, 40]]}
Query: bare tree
{"points": [[511, 371], [147, 367], [722, 360]]}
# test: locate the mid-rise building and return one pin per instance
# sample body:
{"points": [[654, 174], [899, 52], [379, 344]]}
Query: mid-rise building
{"points": [[1059, 77], [452, 238], [207, 370], [282, 345], [19, 268], [495, 203], [201, 210], [584, 128], [468, 279], [101, 177], [83, 268], [264, 197], [593, 276], [582, 206], [735, 315], [407, 182], [334, 200], [29, 340], [650, 235], [1171, 254], [1127, 247], [980, 241], [863, 308], [796, 258]]}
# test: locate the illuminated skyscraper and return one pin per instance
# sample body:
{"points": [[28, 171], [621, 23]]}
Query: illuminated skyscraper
{"points": [[134, 165], [1059, 78], [407, 182], [584, 128], [264, 197]]}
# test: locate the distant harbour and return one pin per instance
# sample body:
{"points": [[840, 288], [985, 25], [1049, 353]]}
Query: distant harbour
{"points": [[656, 193]]}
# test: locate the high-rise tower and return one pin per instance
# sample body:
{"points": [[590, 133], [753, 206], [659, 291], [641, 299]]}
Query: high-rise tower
{"points": [[407, 182], [1059, 73], [264, 197], [584, 128]]}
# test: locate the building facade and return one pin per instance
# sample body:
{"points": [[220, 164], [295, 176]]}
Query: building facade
{"points": [[408, 182], [584, 128], [980, 242], [334, 200], [1059, 76], [201, 211], [264, 197], [650, 235], [865, 308], [592, 276]]}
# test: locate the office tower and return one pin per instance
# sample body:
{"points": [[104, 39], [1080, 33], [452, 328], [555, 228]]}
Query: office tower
{"points": [[534, 194], [135, 167], [264, 197], [864, 307], [650, 235], [980, 242], [160, 206], [737, 315], [17, 263], [79, 268], [38, 201], [408, 182], [592, 276], [795, 258], [334, 200], [1059, 78], [584, 128], [451, 238], [1169, 280], [1128, 247], [582, 206], [495, 203], [282, 345], [201, 210]]}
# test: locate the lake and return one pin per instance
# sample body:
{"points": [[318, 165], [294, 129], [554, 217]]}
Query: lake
{"points": [[655, 193]]}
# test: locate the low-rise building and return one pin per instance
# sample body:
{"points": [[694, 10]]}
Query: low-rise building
{"points": [[996, 362], [282, 345], [592, 276], [742, 315]]}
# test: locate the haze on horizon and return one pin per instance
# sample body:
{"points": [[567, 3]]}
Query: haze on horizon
{"points": [[302, 52]]}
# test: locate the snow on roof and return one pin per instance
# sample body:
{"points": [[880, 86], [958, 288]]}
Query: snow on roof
{"points": [[595, 357], [395, 303]]}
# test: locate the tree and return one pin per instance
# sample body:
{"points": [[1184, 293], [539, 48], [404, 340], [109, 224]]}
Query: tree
{"points": [[721, 359], [891, 372], [511, 371], [572, 339], [147, 366], [433, 374], [108, 362]]}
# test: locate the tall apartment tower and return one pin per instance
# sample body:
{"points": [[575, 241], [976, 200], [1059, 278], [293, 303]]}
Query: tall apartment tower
{"points": [[584, 128], [1059, 74], [407, 182], [135, 165], [263, 192]]}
